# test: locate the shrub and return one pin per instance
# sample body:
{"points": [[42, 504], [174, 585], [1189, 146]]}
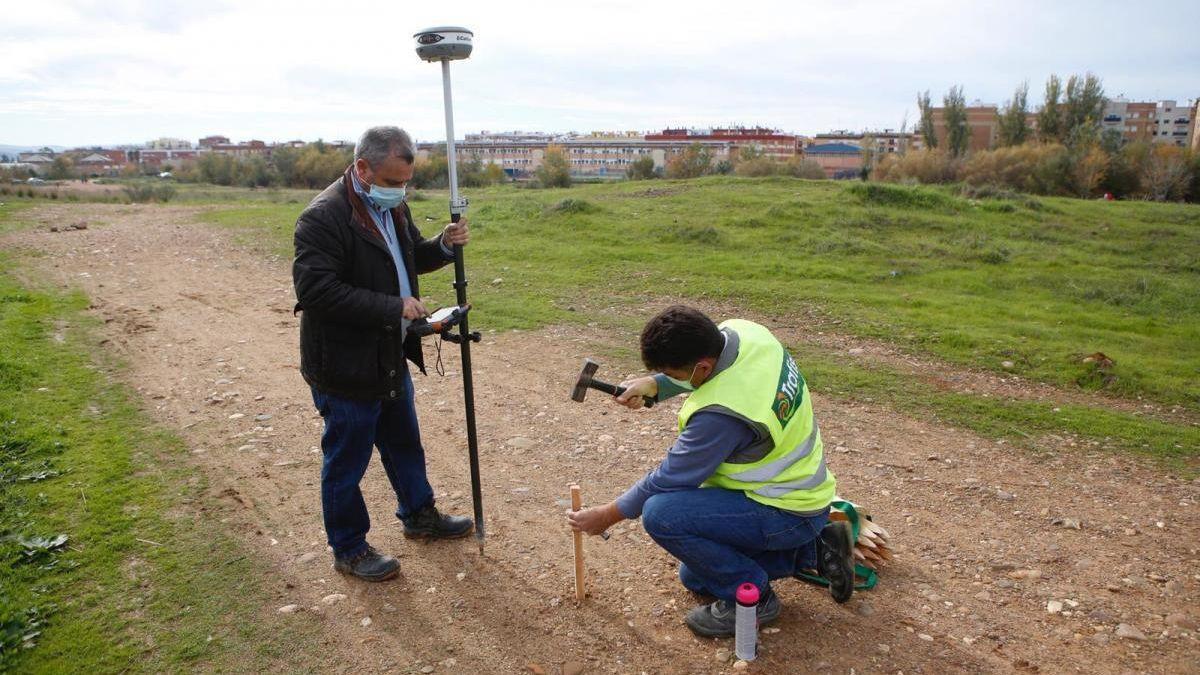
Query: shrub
{"points": [[805, 168], [1043, 168], [922, 166], [574, 206], [555, 170], [642, 168], [758, 167], [693, 162], [692, 234], [900, 196], [1166, 173], [149, 192]]}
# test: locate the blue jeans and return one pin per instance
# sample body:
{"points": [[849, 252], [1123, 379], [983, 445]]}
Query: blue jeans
{"points": [[723, 538], [352, 428]]}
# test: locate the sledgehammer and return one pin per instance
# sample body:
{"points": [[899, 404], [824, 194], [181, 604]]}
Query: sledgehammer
{"points": [[586, 381]]}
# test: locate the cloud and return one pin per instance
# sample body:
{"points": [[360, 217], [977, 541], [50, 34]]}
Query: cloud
{"points": [[77, 72]]}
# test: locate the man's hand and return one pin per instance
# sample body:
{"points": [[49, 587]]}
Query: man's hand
{"points": [[414, 309], [635, 389], [456, 233], [596, 519]]}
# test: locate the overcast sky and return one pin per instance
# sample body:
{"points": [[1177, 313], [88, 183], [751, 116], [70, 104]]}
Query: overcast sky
{"points": [[125, 71]]}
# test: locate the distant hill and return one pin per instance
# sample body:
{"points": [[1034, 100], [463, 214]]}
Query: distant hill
{"points": [[15, 150]]}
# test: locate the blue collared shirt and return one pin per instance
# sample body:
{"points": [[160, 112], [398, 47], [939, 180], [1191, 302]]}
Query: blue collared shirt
{"points": [[384, 223]]}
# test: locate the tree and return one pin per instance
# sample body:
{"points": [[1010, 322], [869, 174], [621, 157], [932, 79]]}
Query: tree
{"points": [[751, 162], [693, 162], [1089, 166], [555, 170], [1165, 173], [957, 134], [61, 168], [928, 133], [319, 165], [216, 168], [1011, 121], [749, 153], [642, 168], [254, 172], [1084, 104], [869, 149], [1049, 118], [432, 171], [284, 159]]}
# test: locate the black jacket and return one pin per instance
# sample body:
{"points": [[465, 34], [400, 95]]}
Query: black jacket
{"points": [[349, 295]]}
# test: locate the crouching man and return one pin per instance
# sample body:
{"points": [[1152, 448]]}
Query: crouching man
{"points": [[743, 494]]}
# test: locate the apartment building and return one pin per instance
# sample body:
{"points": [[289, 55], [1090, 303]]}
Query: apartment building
{"points": [[1164, 122], [1196, 126], [1173, 124], [169, 144], [1135, 121], [607, 155], [247, 149], [771, 142]]}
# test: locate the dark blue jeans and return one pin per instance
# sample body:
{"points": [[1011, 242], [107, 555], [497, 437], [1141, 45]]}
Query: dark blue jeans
{"points": [[723, 538], [352, 429]]}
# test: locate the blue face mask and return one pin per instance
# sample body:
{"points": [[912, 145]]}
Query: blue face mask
{"points": [[385, 197], [686, 385]]}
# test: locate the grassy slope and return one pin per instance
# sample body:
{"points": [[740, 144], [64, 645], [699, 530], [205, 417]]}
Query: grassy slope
{"points": [[77, 458], [1039, 282]]}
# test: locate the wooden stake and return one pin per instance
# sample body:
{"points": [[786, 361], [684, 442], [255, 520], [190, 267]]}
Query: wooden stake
{"points": [[576, 504]]}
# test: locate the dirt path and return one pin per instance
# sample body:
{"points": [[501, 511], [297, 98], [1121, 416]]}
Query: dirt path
{"points": [[207, 330]]}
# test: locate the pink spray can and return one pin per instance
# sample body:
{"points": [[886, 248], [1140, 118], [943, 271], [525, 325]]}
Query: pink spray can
{"points": [[745, 639]]}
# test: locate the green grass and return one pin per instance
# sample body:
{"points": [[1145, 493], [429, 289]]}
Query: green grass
{"points": [[146, 581], [1024, 423], [1041, 282]]}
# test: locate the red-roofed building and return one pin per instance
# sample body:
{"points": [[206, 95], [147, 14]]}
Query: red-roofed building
{"points": [[247, 149], [771, 142]]}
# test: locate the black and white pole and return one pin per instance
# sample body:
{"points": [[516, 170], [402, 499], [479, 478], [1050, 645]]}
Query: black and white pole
{"points": [[446, 44]]}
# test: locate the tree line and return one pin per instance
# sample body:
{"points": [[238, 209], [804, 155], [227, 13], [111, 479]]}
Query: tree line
{"points": [[318, 164], [1059, 149]]}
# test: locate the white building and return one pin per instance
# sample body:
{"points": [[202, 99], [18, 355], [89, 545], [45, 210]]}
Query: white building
{"points": [[1173, 123]]}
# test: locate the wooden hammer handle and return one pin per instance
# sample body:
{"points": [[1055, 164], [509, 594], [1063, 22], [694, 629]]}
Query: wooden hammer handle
{"points": [[617, 390], [576, 504]]}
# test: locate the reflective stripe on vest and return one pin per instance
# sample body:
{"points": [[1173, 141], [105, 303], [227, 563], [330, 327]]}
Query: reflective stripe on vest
{"points": [[776, 490], [773, 469]]}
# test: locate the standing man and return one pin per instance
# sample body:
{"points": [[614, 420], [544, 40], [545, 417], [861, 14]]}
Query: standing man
{"points": [[744, 493], [358, 255]]}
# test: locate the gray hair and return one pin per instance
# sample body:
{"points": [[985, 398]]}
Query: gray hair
{"points": [[378, 143]]}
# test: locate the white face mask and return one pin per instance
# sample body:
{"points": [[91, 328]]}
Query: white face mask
{"points": [[684, 384]]}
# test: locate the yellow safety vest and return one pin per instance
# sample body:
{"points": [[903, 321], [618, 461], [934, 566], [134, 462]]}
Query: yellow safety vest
{"points": [[764, 388]]}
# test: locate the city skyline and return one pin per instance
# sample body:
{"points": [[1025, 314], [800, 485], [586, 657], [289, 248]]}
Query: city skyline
{"points": [[78, 74]]}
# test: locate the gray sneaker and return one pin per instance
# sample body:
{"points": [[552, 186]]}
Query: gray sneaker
{"points": [[718, 619], [370, 565]]}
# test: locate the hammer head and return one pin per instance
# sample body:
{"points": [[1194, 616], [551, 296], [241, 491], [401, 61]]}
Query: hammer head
{"points": [[585, 380]]}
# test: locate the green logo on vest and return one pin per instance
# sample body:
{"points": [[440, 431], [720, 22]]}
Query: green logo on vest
{"points": [[790, 392]]}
